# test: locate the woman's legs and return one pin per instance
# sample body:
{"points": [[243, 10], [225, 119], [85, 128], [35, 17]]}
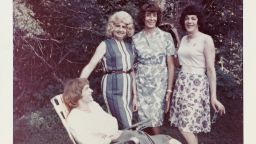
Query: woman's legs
{"points": [[191, 138]]}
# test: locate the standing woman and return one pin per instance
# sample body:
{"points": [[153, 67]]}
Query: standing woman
{"points": [[118, 58], [154, 51], [195, 86]]}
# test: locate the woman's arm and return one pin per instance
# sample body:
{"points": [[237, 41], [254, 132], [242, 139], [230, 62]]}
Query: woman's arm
{"points": [[209, 53], [99, 53], [134, 89], [171, 71]]}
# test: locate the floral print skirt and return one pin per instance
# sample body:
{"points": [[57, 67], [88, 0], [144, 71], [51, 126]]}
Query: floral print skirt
{"points": [[190, 106], [151, 89]]}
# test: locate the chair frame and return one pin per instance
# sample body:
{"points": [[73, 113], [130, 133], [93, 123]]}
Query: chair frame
{"points": [[62, 111]]}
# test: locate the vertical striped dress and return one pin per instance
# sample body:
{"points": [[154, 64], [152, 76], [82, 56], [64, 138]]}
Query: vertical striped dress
{"points": [[117, 87]]}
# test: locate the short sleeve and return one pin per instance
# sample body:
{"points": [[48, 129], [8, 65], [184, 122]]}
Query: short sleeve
{"points": [[170, 48]]}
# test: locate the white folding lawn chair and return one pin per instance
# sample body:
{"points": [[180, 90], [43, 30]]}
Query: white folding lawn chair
{"points": [[62, 111]]}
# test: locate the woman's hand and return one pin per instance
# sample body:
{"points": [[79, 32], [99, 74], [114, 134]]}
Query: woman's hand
{"points": [[134, 105], [218, 106], [167, 103]]}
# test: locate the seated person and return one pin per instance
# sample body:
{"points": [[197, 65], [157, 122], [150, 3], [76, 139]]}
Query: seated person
{"points": [[90, 124]]}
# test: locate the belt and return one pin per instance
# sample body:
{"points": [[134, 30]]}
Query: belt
{"points": [[118, 71]]}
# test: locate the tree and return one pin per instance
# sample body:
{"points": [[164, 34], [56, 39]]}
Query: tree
{"points": [[53, 40]]}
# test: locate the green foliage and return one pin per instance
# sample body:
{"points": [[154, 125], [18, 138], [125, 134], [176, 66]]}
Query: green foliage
{"points": [[69, 33], [54, 39], [227, 85], [225, 25], [224, 22], [41, 126]]}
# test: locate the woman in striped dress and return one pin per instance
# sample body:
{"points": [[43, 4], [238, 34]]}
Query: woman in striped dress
{"points": [[117, 57]]}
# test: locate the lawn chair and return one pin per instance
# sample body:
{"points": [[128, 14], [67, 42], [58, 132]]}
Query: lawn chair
{"points": [[62, 112]]}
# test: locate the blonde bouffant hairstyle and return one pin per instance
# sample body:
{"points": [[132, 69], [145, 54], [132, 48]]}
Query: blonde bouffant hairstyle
{"points": [[118, 17]]}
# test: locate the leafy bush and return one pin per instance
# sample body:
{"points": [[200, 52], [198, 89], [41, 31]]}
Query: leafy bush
{"points": [[54, 39]]}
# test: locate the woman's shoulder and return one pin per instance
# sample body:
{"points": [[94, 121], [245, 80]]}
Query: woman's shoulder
{"points": [[206, 38], [73, 115], [103, 43], [74, 111], [184, 37], [163, 34], [162, 31], [93, 103], [137, 35], [107, 40]]}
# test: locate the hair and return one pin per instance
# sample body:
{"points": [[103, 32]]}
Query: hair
{"points": [[192, 10], [118, 17], [151, 6], [73, 91]]}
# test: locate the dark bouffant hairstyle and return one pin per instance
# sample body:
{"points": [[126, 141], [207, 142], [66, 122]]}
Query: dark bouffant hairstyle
{"points": [[73, 91], [151, 6], [192, 10]]}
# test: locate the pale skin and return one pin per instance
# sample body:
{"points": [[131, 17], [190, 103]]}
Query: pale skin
{"points": [[119, 33], [191, 25], [150, 25], [171, 71]]}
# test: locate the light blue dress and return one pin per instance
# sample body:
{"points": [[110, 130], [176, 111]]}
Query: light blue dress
{"points": [[152, 73]]}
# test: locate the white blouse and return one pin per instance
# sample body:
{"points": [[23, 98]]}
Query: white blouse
{"points": [[191, 53], [93, 127]]}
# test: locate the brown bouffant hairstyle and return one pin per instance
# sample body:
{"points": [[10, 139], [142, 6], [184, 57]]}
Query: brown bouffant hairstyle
{"points": [[192, 10], [73, 91], [151, 6]]}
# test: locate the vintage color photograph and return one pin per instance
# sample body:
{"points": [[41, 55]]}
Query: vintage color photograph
{"points": [[128, 71]]}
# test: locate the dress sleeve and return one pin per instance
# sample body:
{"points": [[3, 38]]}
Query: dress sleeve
{"points": [[170, 48]]}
